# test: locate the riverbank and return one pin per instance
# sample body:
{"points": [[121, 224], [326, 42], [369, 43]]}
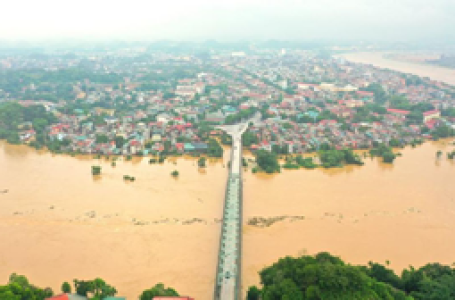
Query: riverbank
{"points": [[423, 70]]}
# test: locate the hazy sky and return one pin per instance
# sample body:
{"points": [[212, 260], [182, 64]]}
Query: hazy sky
{"points": [[228, 19]]}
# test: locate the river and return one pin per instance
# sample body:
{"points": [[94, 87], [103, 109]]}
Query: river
{"points": [[58, 222], [434, 72]]}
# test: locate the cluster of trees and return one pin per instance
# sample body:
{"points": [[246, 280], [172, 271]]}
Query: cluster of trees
{"points": [[324, 276], [299, 162], [383, 151], [364, 114], [337, 158], [158, 290], [226, 139], [13, 115], [380, 95], [443, 131], [267, 161], [416, 110], [249, 138], [214, 148], [98, 289], [280, 149], [450, 112], [19, 288]]}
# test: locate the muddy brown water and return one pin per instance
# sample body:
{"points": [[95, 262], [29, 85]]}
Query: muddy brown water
{"points": [[58, 222], [425, 70]]}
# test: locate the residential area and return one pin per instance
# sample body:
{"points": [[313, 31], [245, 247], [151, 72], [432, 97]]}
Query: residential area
{"points": [[139, 103]]}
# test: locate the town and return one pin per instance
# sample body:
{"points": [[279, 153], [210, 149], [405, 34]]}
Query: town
{"points": [[136, 102]]}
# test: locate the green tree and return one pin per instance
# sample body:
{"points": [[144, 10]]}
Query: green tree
{"points": [[438, 154], [380, 95], [201, 162], [96, 170], [249, 138], [101, 139], [388, 157], [119, 141], [253, 293], [214, 149], [267, 161], [66, 287], [19, 288], [158, 290]]}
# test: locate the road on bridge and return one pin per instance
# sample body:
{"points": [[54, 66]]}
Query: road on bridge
{"points": [[228, 274]]}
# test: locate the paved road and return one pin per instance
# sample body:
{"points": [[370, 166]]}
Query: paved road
{"points": [[229, 256]]}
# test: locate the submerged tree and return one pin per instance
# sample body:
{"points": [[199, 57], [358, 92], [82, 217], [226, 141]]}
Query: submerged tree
{"points": [[96, 170]]}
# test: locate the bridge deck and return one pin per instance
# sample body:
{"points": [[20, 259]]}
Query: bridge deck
{"points": [[227, 285]]}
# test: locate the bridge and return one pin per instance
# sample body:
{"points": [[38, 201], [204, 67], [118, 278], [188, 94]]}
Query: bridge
{"points": [[228, 273]]}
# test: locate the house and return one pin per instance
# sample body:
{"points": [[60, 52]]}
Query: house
{"points": [[432, 114], [188, 147], [216, 117], [67, 297], [172, 298], [163, 118], [179, 147], [398, 112], [200, 147]]}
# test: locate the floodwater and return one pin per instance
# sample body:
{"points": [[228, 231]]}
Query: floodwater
{"points": [[434, 72], [404, 213], [58, 222]]}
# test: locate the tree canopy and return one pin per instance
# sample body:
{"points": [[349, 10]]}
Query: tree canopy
{"points": [[267, 161], [158, 290], [324, 276]]}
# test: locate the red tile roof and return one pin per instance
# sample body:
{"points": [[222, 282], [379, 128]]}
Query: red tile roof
{"points": [[398, 111], [431, 112], [59, 297]]}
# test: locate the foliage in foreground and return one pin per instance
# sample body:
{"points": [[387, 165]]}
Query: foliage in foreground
{"points": [[158, 290], [327, 277], [19, 288]]}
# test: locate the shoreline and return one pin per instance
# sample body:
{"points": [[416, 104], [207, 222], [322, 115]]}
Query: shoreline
{"points": [[377, 59]]}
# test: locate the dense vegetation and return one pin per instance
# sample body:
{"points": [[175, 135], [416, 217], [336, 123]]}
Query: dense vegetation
{"points": [[267, 161], [19, 288], [14, 117], [249, 138], [214, 149], [337, 158], [385, 152], [298, 162], [328, 277], [158, 290]]}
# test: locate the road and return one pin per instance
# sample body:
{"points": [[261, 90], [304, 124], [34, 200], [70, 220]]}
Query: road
{"points": [[228, 276]]}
